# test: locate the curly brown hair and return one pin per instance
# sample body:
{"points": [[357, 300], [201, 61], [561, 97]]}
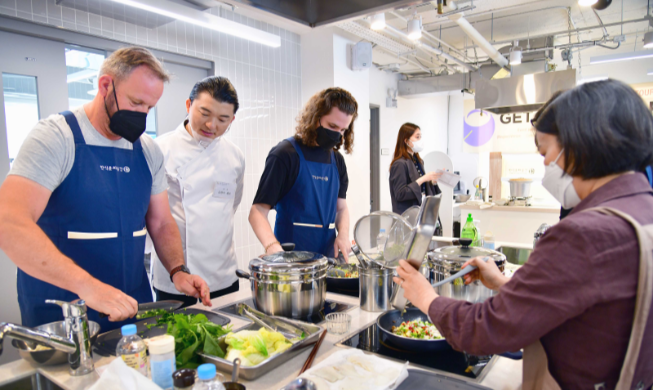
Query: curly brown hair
{"points": [[320, 105]]}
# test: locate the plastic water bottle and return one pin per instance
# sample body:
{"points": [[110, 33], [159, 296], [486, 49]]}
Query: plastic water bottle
{"points": [[132, 349], [488, 240], [207, 378], [381, 239]]}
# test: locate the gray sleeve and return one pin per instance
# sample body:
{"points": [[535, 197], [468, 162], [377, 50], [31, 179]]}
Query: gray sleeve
{"points": [[240, 186], [47, 154], [155, 161]]}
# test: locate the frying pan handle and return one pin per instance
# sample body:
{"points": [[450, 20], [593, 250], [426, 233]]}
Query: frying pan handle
{"points": [[513, 355], [242, 274]]}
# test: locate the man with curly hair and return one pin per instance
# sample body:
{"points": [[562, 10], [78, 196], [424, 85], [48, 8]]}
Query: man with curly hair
{"points": [[305, 180]]}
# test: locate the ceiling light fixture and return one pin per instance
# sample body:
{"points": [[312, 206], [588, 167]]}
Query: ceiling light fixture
{"points": [[415, 28], [602, 4], [204, 19], [515, 57], [378, 21], [648, 40], [633, 55], [587, 3], [650, 72]]}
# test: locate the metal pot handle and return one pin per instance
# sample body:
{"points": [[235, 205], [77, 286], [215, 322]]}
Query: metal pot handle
{"points": [[242, 274]]}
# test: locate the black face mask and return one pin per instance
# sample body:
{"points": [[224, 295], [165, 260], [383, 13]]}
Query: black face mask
{"points": [[328, 139], [130, 125]]}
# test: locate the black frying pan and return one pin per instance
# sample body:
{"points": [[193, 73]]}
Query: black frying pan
{"points": [[342, 285], [391, 318]]}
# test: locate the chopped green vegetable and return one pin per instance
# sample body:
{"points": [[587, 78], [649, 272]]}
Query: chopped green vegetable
{"points": [[193, 333], [253, 347]]}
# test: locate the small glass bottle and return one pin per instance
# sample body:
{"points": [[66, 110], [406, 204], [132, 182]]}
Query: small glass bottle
{"points": [[183, 379], [132, 349], [162, 360], [207, 378]]}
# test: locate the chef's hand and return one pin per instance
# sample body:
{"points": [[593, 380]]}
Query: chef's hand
{"points": [[274, 248], [343, 244], [193, 286], [487, 272], [107, 299], [417, 289]]}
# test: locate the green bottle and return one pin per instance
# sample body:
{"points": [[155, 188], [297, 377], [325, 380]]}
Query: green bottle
{"points": [[469, 230]]}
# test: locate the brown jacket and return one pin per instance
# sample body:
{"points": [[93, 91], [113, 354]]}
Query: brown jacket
{"points": [[576, 294]]}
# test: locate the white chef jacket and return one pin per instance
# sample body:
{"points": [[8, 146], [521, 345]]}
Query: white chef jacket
{"points": [[205, 189]]}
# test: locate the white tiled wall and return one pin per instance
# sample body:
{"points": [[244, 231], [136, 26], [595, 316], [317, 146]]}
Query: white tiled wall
{"points": [[268, 80]]}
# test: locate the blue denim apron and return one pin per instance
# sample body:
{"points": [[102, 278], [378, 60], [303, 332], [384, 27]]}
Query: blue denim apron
{"points": [[107, 191], [306, 216]]}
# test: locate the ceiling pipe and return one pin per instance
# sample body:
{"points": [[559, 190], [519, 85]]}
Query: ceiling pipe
{"points": [[430, 48], [420, 66], [477, 37]]}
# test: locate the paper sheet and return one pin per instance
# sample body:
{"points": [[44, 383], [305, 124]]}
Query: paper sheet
{"points": [[117, 375], [448, 178], [353, 369]]}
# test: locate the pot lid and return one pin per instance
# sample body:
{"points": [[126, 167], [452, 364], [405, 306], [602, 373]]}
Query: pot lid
{"points": [[463, 253], [289, 261]]}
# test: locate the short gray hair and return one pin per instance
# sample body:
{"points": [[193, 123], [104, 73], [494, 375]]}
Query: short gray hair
{"points": [[123, 61]]}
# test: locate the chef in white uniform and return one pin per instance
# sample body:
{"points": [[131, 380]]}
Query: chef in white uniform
{"points": [[205, 177]]}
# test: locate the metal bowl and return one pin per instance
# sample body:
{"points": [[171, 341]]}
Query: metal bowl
{"points": [[462, 198], [50, 356]]}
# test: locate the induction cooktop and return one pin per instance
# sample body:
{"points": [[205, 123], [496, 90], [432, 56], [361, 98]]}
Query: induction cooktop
{"points": [[448, 362], [330, 306]]}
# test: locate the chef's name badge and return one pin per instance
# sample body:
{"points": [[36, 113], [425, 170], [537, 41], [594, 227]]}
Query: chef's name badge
{"points": [[224, 190]]}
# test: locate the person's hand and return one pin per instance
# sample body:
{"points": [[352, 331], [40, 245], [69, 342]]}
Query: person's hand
{"points": [[433, 176], [108, 300], [417, 289], [274, 248], [343, 244], [487, 272], [193, 286]]}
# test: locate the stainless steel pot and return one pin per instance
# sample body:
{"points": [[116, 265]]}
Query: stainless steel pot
{"points": [[288, 284], [520, 188], [446, 261], [375, 288]]}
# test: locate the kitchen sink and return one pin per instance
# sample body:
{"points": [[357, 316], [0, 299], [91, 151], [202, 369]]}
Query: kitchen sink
{"points": [[517, 256], [33, 382]]}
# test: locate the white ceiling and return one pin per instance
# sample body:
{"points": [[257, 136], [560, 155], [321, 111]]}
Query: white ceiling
{"points": [[517, 19]]}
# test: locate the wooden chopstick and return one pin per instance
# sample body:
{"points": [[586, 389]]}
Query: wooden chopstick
{"points": [[311, 357]]}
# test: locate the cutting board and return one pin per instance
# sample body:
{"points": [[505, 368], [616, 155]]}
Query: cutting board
{"points": [[106, 343]]}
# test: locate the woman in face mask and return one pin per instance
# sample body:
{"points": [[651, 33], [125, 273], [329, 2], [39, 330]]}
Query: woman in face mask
{"points": [[581, 306], [409, 181], [305, 180]]}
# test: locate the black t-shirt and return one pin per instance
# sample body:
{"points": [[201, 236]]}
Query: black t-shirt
{"points": [[282, 168]]}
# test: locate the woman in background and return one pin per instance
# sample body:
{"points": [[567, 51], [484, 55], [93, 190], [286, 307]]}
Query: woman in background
{"points": [[409, 182]]}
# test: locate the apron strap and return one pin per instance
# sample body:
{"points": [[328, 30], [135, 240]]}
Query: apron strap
{"points": [[74, 126], [643, 299]]}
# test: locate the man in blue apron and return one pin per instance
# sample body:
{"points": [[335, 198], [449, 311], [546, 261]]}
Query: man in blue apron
{"points": [[81, 196], [305, 180]]}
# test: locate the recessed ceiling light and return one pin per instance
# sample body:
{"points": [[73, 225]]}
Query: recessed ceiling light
{"points": [[415, 29], [587, 3], [378, 21]]}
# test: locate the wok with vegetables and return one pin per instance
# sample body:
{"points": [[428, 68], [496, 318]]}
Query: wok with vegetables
{"points": [[343, 279], [410, 331]]}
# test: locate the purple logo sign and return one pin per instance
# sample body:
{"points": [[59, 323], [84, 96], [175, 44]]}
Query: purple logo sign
{"points": [[478, 135]]}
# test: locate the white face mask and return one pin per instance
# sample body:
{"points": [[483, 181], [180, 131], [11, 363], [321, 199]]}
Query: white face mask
{"points": [[418, 146], [560, 185]]}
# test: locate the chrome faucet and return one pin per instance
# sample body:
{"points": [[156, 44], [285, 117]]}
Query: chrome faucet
{"points": [[540, 232], [77, 344]]}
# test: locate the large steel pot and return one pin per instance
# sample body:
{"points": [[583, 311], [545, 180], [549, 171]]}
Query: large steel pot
{"points": [[288, 284], [520, 188], [446, 261]]}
